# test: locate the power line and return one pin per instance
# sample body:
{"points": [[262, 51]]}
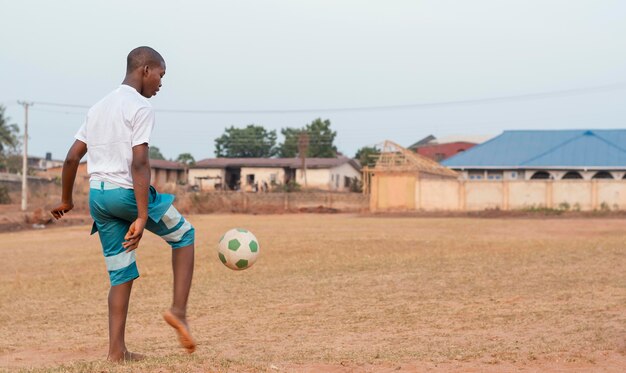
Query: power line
{"points": [[82, 113], [497, 99]]}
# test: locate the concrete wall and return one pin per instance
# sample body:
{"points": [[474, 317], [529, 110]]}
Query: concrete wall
{"points": [[436, 195], [43, 192], [261, 175], [195, 175], [525, 194], [573, 193], [389, 193], [274, 202], [480, 195], [316, 178], [160, 177], [395, 191], [328, 178]]}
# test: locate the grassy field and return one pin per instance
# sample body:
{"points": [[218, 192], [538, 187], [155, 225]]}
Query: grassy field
{"points": [[333, 293]]}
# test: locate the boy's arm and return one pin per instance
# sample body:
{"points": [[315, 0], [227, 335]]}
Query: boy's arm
{"points": [[70, 166], [140, 170]]}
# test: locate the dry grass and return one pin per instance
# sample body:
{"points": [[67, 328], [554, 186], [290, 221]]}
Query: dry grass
{"points": [[333, 293]]}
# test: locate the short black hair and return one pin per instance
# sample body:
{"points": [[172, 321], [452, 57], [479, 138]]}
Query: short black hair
{"points": [[142, 56]]}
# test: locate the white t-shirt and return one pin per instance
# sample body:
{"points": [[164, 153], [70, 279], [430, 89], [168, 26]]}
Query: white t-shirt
{"points": [[120, 121]]}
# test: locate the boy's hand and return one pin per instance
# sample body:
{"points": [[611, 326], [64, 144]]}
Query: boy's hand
{"points": [[134, 234], [61, 209]]}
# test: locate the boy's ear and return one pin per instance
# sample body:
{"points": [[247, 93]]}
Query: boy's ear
{"points": [[145, 69]]}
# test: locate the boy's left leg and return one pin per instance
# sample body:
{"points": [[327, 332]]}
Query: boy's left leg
{"points": [[182, 266]]}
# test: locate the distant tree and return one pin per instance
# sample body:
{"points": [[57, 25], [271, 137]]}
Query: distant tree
{"points": [[9, 144], [367, 155], [289, 147], [8, 132], [186, 159], [11, 162], [321, 140], [155, 153], [249, 142]]}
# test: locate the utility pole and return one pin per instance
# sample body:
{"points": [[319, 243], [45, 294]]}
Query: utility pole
{"points": [[303, 149], [25, 157]]}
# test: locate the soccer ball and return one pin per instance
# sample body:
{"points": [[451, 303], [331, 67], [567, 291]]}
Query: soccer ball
{"points": [[238, 249]]}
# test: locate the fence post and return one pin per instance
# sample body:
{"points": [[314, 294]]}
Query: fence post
{"points": [[462, 197], [549, 194], [418, 181], [594, 194], [505, 195]]}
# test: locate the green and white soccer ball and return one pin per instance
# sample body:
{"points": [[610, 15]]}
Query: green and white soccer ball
{"points": [[238, 249]]}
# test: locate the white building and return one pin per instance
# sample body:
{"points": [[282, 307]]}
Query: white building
{"points": [[252, 174]]}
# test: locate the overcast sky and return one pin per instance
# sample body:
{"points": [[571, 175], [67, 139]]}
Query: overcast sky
{"points": [[285, 55]]}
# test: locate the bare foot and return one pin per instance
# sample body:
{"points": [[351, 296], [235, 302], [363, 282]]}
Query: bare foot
{"points": [[126, 356], [180, 325]]}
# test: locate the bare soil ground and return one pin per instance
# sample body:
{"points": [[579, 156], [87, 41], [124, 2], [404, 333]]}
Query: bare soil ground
{"points": [[333, 293]]}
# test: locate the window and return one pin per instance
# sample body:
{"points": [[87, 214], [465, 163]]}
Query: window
{"points": [[514, 175], [476, 175], [494, 175], [273, 178], [602, 175], [540, 175], [346, 182], [572, 175], [250, 179]]}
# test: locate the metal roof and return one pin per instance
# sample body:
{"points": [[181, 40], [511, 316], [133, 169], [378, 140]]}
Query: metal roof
{"points": [[276, 162], [166, 165], [574, 149]]}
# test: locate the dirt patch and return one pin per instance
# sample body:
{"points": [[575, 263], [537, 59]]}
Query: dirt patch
{"points": [[335, 293]]}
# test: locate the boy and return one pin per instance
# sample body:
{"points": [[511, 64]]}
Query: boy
{"points": [[115, 137]]}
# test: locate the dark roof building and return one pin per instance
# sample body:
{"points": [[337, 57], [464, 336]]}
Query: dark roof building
{"points": [[335, 174], [276, 162]]}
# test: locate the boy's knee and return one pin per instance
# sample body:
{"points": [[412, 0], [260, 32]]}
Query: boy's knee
{"points": [[123, 275], [188, 238], [182, 236]]}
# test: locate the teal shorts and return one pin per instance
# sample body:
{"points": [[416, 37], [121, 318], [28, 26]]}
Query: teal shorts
{"points": [[113, 209]]}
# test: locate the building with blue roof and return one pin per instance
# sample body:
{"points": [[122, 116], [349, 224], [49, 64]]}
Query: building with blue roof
{"points": [[545, 154]]}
